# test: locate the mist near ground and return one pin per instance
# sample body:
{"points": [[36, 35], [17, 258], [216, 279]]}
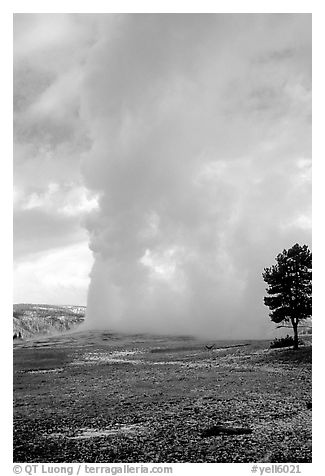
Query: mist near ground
{"points": [[201, 159]]}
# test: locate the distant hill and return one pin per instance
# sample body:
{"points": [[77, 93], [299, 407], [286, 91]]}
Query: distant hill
{"points": [[42, 319]]}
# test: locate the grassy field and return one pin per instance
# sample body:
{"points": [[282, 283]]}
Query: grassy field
{"points": [[101, 397]]}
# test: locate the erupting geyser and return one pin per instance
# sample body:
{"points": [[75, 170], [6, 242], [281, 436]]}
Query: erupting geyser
{"points": [[200, 162]]}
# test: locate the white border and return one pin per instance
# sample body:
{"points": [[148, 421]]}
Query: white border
{"points": [[128, 6]]}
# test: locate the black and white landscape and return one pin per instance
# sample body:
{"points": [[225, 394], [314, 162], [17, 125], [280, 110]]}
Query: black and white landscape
{"points": [[162, 237]]}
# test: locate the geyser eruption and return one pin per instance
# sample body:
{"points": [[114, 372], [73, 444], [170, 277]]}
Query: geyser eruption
{"points": [[200, 158]]}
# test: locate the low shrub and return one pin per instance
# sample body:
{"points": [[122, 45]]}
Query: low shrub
{"points": [[287, 341]]}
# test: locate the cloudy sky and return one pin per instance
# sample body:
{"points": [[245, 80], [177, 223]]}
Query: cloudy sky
{"points": [[160, 163]]}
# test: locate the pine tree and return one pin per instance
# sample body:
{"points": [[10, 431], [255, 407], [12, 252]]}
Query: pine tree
{"points": [[290, 287]]}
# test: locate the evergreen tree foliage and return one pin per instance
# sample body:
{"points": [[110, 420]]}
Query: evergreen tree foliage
{"points": [[290, 287]]}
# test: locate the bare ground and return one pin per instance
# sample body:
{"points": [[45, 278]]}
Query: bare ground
{"points": [[101, 397]]}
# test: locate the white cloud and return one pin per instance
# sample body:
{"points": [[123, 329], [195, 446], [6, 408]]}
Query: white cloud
{"points": [[79, 202], [59, 277], [70, 200]]}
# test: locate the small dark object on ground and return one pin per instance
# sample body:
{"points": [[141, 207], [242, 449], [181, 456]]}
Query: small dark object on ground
{"points": [[18, 335], [209, 347], [309, 405], [287, 341], [225, 430]]}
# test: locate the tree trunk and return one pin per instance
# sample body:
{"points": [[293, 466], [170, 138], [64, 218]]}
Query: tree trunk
{"points": [[295, 335]]}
